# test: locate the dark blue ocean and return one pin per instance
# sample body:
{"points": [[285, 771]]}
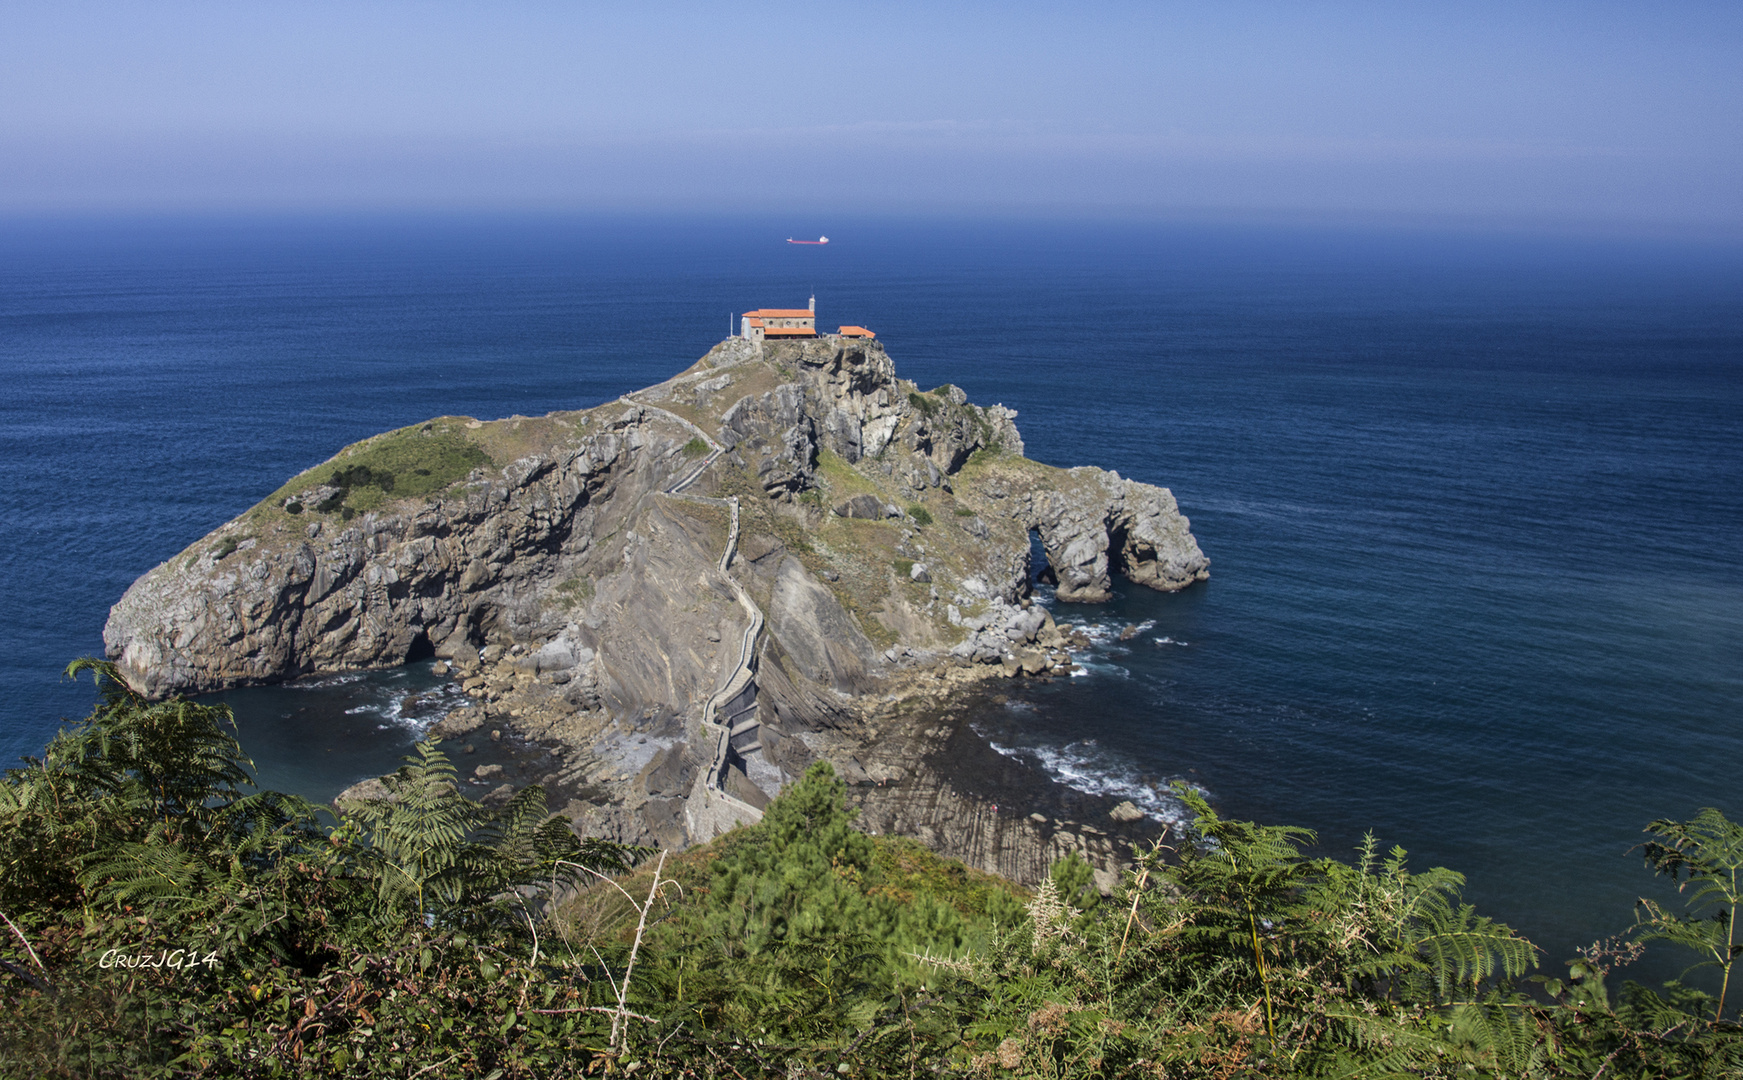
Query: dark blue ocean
{"points": [[1474, 503]]}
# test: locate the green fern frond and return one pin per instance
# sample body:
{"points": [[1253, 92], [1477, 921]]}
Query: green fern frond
{"points": [[1500, 1033], [1464, 948], [147, 873], [1374, 1064]]}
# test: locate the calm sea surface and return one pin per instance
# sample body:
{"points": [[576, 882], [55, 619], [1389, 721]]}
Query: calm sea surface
{"points": [[1474, 505]]}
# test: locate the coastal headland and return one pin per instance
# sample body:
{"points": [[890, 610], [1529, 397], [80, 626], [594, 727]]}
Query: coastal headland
{"points": [[783, 554]]}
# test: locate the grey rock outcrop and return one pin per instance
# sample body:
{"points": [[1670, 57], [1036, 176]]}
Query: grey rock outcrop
{"points": [[866, 508], [1103, 523], [437, 577], [370, 790], [574, 572]]}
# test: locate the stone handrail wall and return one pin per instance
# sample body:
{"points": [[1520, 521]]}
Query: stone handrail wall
{"points": [[714, 448], [743, 671], [711, 808], [731, 539], [713, 455]]}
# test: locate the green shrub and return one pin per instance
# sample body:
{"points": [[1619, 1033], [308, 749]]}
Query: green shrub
{"points": [[410, 940], [1075, 880], [920, 514], [924, 404], [273, 945], [696, 447], [806, 925]]}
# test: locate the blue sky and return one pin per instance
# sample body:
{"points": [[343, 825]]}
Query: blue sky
{"points": [[1563, 115]]}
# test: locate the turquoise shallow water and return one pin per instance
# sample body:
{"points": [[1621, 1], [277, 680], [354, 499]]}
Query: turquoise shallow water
{"points": [[1473, 504]]}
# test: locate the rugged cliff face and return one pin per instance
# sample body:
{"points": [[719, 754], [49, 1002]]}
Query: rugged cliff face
{"points": [[794, 517]]}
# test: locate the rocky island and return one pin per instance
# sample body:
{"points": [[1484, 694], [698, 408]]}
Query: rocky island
{"points": [[785, 553]]}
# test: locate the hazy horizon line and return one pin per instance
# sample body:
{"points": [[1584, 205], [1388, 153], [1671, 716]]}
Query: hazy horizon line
{"points": [[805, 221]]}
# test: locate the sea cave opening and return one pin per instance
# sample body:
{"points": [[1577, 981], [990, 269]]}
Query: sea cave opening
{"points": [[1040, 570]]}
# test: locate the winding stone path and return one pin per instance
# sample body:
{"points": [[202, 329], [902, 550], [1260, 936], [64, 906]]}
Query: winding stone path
{"points": [[713, 809]]}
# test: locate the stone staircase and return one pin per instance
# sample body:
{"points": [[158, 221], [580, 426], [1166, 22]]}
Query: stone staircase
{"points": [[729, 720]]}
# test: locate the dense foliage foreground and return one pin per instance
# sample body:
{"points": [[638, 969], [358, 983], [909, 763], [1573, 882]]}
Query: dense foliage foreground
{"points": [[163, 919]]}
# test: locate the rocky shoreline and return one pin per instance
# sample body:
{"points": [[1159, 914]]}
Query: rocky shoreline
{"points": [[913, 767], [679, 600]]}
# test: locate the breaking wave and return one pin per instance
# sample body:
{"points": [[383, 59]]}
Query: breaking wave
{"points": [[411, 709], [1085, 766], [1107, 641], [328, 682]]}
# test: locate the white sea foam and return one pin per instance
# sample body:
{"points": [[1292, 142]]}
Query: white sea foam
{"points": [[1099, 634], [1087, 767], [1166, 640], [327, 682], [1104, 644], [412, 710], [1087, 666], [427, 706], [1106, 635]]}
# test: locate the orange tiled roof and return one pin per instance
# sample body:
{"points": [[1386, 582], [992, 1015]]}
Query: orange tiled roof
{"points": [[783, 313], [790, 331], [754, 321], [855, 331]]}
